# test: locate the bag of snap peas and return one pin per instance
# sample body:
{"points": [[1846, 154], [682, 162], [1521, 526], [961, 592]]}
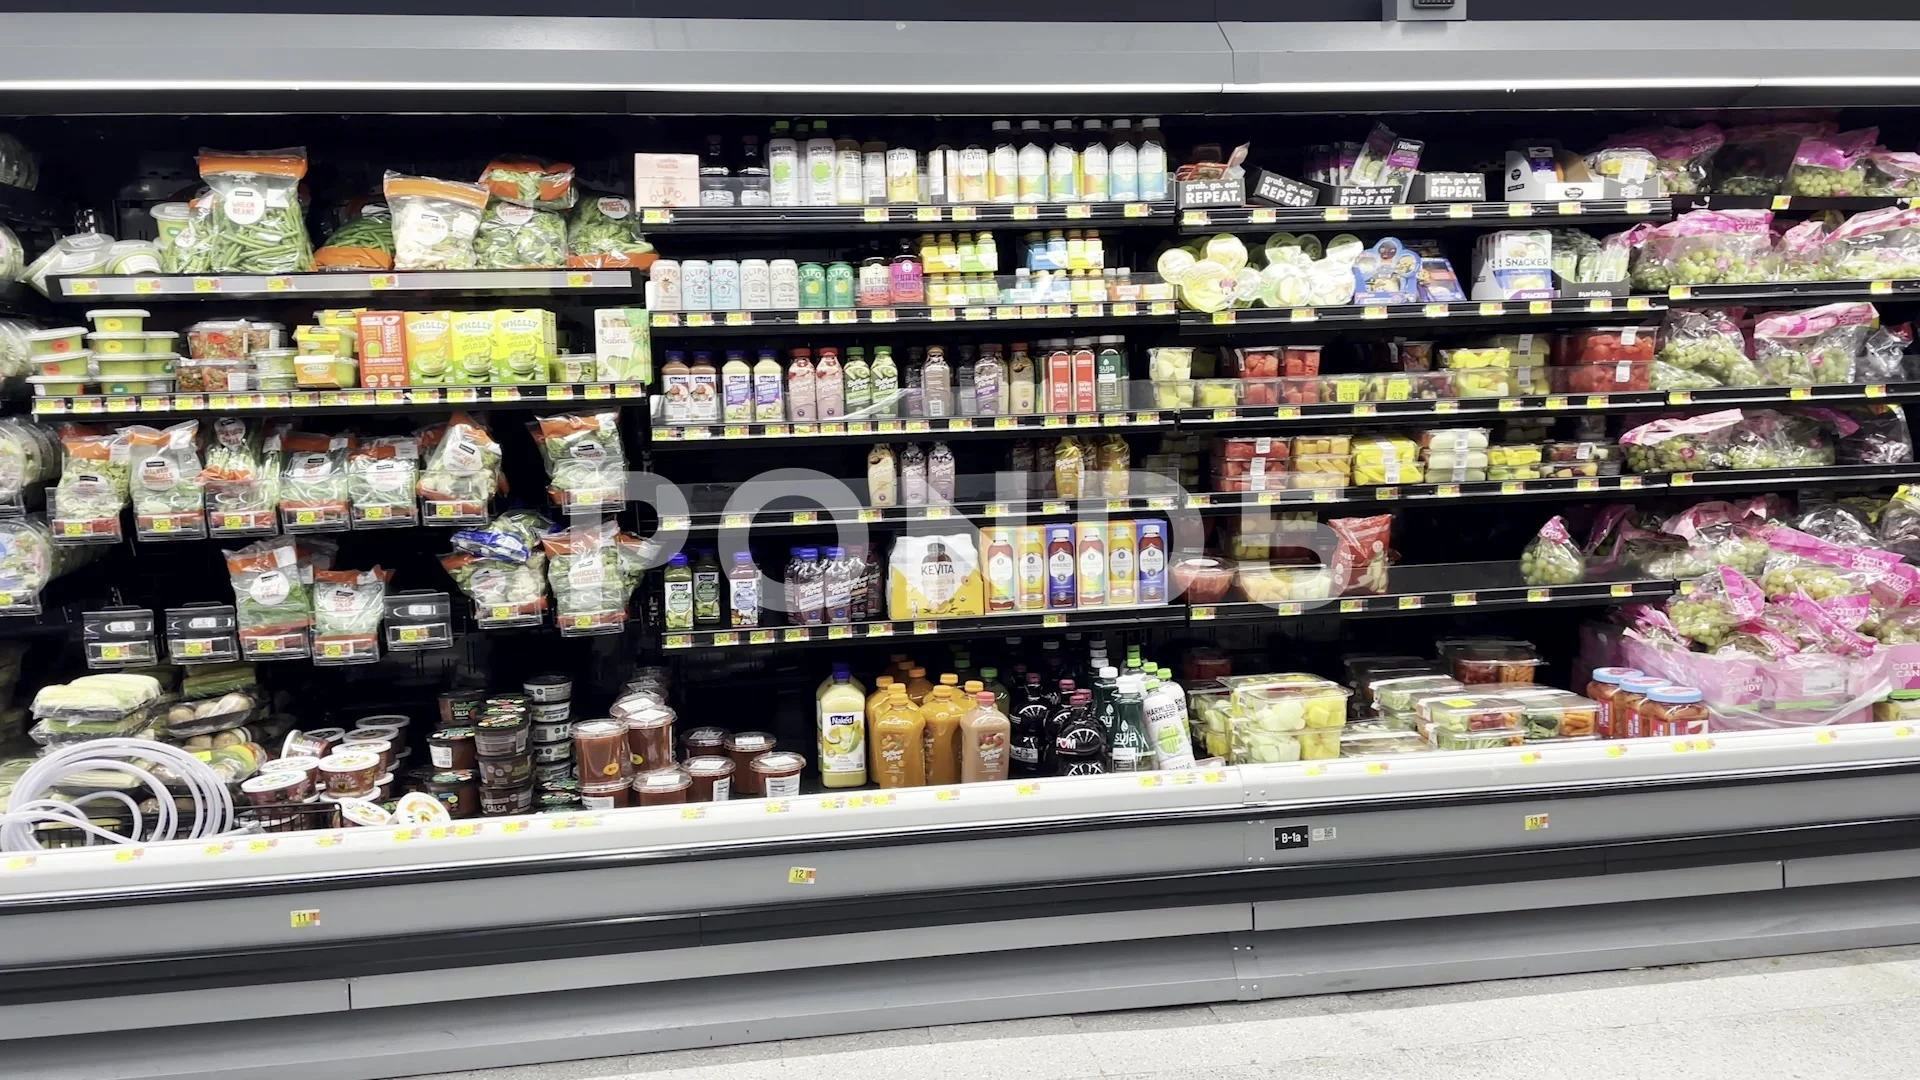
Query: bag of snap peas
{"points": [[434, 222], [253, 213], [516, 237], [530, 182], [604, 233], [365, 243]]}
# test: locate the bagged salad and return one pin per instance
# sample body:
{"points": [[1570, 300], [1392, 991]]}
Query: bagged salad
{"points": [[253, 222], [29, 454], [164, 475], [462, 467], [1815, 346], [313, 482], [273, 597], [502, 568], [592, 575], [516, 237], [242, 475], [530, 181], [586, 465], [29, 559], [365, 243], [347, 608], [93, 485], [434, 222], [604, 233], [1828, 166], [381, 481]]}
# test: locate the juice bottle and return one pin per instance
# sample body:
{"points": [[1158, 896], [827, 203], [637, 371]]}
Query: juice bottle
{"points": [[1093, 162], [769, 389], [897, 737], [940, 735], [829, 386], [820, 188], [986, 382], [1003, 170], [1029, 729], [881, 685], [1110, 367], [886, 383], [1090, 543], [1063, 165], [1061, 563], [802, 402], [847, 187], [1150, 557], [1079, 746], [836, 588], [937, 383], [990, 681], [743, 591], [973, 173], [783, 166], [1020, 381], [809, 586], [678, 585], [1123, 164], [736, 389], [1030, 552], [676, 381], [1003, 588], [858, 378], [1167, 729], [1153, 160], [984, 734], [1132, 752], [1033, 163], [704, 405], [917, 687], [706, 590], [873, 172], [1122, 582], [842, 732], [1086, 387]]}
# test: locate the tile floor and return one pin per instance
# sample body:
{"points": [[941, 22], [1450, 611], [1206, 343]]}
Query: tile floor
{"points": [[1830, 1016]]}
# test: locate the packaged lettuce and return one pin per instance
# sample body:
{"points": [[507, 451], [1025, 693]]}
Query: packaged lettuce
{"points": [[242, 475], [604, 233], [347, 608], [254, 222], [29, 560], [381, 480], [516, 237], [313, 482], [590, 578], [434, 222], [365, 243], [93, 485], [164, 472], [29, 454], [461, 470], [586, 465], [273, 600], [530, 181], [502, 569]]}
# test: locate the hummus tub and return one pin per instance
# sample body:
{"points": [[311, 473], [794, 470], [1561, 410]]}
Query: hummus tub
{"points": [[133, 365]]}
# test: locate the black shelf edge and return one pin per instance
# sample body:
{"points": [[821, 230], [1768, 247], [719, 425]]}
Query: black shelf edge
{"points": [[1802, 204], [1434, 315], [1465, 598], [694, 220], [403, 400], [885, 630], [1197, 222], [344, 285], [1117, 314], [670, 435], [1010, 510], [1788, 292]]}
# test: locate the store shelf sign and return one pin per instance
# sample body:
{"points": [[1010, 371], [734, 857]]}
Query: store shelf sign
{"points": [[304, 919], [1292, 836], [802, 875], [1534, 822]]}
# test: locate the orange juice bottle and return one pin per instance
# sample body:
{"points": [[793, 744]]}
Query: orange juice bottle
{"points": [[918, 686], [940, 745], [898, 757], [879, 696]]}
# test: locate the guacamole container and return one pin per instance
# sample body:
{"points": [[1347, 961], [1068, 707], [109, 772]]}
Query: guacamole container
{"points": [[118, 320], [117, 344], [71, 365], [66, 339]]}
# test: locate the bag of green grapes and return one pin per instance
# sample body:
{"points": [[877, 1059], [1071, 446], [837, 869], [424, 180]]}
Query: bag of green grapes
{"points": [[1832, 166], [1719, 603], [1552, 557]]}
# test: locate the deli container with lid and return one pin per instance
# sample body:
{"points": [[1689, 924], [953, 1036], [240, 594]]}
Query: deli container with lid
{"points": [[64, 365], [119, 320], [1603, 686], [507, 801], [778, 773], [1479, 739], [1548, 713], [663, 786], [1369, 739], [510, 771], [452, 748], [498, 734], [55, 342], [743, 748], [1210, 704], [1476, 664], [1305, 445], [132, 385], [600, 750], [1472, 712], [123, 344], [1466, 438], [133, 365], [712, 778], [1396, 693], [351, 773]]}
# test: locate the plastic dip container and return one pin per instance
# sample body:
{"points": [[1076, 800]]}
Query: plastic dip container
{"points": [[778, 773], [458, 706], [548, 689], [1602, 686], [1674, 710], [452, 748], [1627, 700], [276, 788], [559, 802], [608, 796], [356, 811], [385, 722], [743, 748], [351, 773], [510, 771], [553, 771], [650, 739], [458, 790], [552, 753], [67, 365], [701, 742], [500, 734], [712, 778], [504, 801], [367, 744], [547, 731], [600, 751], [661, 787], [65, 339], [117, 344], [552, 712], [307, 766]]}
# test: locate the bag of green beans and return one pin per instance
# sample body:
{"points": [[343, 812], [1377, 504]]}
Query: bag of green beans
{"points": [[254, 222]]}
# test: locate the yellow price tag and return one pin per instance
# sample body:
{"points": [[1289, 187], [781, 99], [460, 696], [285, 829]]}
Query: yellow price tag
{"points": [[1535, 596], [1402, 212], [1199, 614], [206, 285], [1539, 307], [1052, 621], [1492, 307], [1222, 318], [1459, 210], [1348, 607], [1140, 210], [1337, 213], [145, 287], [842, 316], [1876, 391], [799, 875], [1880, 288], [1302, 314], [1263, 216], [1410, 603], [1436, 311], [383, 281], [1534, 822], [655, 217], [1680, 292], [966, 213], [1374, 311], [874, 214], [1465, 599], [1026, 212], [1600, 304], [279, 284], [925, 627]]}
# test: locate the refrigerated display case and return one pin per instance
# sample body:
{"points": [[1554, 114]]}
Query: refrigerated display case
{"points": [[1224, 631]]}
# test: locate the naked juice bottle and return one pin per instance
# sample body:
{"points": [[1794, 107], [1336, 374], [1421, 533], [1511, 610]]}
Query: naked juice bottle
{"points": [[843, 733], [897, 759], [940, 740], [985, 732]]}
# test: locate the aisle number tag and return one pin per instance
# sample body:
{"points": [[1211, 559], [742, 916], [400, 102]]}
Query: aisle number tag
{"points": [[301, 920], [801, 875], [1534, 822]]}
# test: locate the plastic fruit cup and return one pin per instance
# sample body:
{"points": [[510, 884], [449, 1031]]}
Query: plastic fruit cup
{"points": [[66, 339], [273, 361], [72, 365], [117, 344], [118, 320], [1202, 579]]}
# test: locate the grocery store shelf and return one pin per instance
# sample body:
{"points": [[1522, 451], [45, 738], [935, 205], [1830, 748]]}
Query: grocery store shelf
{"points": [[1108, 618], [36, 209], [339, 401], [796, 219], [1788, 292], [1798, 204], [1008, 510], [1445, 587], [344, 284], [1423, 215], [1118, 313], [1394, 316], [1016, 426]]}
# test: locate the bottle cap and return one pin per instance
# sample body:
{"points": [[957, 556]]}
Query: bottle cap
{"points": [[984, 698], [949, 679], [1109, 672], [917, 673], [1674, 695], [679, 558]]}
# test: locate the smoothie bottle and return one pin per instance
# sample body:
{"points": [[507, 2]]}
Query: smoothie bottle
{"points": [[917, 687], [1020, 381], [802, 402], [940, 738], [707, 613], [897, 738], [743, 591], [937, 384], [678, 584], [1003, 171], [736, 389], [704, 406], [881, 684], [769, 389], [984, 735], [842, 733], [886, 383], [859, 382], [829, 386]]}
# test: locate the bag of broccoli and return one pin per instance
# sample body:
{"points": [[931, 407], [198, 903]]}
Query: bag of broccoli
{"points": [[603, 233]]}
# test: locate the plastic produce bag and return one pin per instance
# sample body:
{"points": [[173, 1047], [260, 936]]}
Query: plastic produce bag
{"points": [[29, 559], [242, 473], [1684, 444], [1883, 437], [93, 707], [13, 255], [1891, 173], [1836, 523], [1876, 245], [164, 470], [1818, 345], [365, 243], [93, 476], [1362, 556], [381, 478], [1682, 157], [590, 577], [1755, 159], [530, 181], [315, 474], [516, 237], [1883, 356], [1707, 342], [434, 222], [461, 467], [1899, 527], [254, 219], [1832, 165], [502, 568], [603, 233], [29, 454], [1551, 557], [80, 253], [586, 465], [1713, 247], [272, 594], [1719, 534], [1719, 603], [347, 608], [1765, 439], [1801, 254]]}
